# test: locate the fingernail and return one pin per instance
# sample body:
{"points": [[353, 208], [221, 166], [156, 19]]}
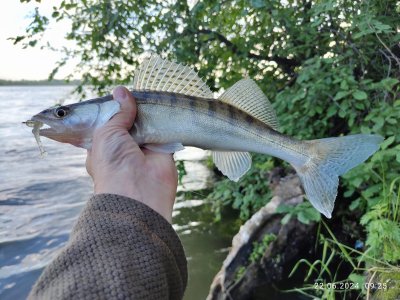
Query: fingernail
{"points": [[119, 93]]}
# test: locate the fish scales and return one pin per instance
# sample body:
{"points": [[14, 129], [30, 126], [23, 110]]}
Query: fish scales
{"points": [[242, 131]]}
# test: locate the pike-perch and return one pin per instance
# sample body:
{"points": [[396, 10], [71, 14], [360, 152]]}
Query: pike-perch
{"points": [[177, 109]]}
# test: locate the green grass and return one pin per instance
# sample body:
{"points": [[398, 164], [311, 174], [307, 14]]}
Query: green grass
{"points": [[375, 273]]}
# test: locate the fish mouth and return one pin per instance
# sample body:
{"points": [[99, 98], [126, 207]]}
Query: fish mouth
{"points": [[44, 128]]}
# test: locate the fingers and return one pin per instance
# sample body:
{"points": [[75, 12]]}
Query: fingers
{"points": [[89, 163], [126, 116]]}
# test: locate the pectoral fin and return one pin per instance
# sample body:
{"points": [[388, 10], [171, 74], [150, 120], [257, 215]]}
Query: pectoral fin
{"points": [[165, 148], [232, 164]]}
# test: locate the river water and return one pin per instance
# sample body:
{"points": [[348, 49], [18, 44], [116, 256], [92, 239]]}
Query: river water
{"points": [[40, 198]]}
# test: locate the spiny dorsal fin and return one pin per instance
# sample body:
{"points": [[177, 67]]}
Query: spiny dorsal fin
{"points": [[247, 96], [157, 74], [232, 164]]}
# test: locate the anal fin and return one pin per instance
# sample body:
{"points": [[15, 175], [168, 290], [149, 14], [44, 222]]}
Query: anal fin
{"points": [[232, 164]]}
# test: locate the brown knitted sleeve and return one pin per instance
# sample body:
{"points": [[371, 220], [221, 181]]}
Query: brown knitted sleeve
{"points": [[119, 249]]}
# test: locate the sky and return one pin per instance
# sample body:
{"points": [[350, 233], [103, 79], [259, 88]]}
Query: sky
{"points": [[31, 63]]}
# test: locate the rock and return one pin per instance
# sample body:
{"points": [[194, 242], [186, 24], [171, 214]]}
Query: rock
{"points": [[264, 251]]}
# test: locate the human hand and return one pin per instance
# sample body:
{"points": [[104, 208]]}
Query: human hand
{"points": [[118, 165]]}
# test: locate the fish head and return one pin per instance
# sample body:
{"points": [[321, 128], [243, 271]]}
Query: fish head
{"points": [[75, 123]]}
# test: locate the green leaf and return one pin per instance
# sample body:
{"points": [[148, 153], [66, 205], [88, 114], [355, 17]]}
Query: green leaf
{"points": [[358, 279], [380, 26], [341, 94], [359, 105], [357, 181], [18, 39], [32, 43], [365, 130], [312, 214], [302, 217], [360, 95], [387, 142], [379, 121], [258, 3], [348, 193], [354, 204], [284, 209], [388, 83], [286, 219], [344, 85], [332, 110]]}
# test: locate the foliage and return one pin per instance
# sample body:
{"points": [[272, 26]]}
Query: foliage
{"points": [[389, 287], [365, 180], [240, 273], [304, 212], [248, 195], [382, 224], [260, 247], [324, 279], [180, 167]]}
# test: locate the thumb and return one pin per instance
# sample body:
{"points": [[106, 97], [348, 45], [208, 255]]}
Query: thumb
{"points": [[126, 116]]}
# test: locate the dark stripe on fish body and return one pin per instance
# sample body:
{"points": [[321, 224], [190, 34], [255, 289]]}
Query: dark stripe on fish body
{"points": [[232, 112], [192, 104], [164, 97], [249, 119], [212, 108], [173, 100]]}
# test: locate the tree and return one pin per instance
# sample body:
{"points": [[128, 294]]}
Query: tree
{"points": [[320, 55]]}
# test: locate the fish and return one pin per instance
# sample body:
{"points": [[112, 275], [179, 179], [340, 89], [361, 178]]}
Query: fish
{"points": [[176, 108]]}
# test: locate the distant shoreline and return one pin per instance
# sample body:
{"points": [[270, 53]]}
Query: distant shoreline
{"points": [[4, 82]]}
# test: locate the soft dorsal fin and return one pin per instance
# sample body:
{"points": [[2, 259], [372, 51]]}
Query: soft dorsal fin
{"points": [[157, 74], [247, 96], [232, 164]]}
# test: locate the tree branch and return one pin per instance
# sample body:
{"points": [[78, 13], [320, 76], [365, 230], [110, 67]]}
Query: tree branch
{"points": [[286, 64]]}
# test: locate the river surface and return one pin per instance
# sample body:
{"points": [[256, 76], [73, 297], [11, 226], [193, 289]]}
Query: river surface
{"points": [[40, 198]]}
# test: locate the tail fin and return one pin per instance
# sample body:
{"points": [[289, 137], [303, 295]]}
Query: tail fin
{"points": [[330, 158]]}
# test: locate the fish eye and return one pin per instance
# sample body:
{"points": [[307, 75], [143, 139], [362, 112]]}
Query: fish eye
{"points": [[61, 111]]}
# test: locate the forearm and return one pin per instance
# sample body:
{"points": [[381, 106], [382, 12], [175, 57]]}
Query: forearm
{"points": [[119, 248]]}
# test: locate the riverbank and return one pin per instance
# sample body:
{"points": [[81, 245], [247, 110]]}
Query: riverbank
{"points": [[44, 82]]}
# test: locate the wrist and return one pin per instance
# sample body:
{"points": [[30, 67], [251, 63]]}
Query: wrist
{"points": [[157, 199]]}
